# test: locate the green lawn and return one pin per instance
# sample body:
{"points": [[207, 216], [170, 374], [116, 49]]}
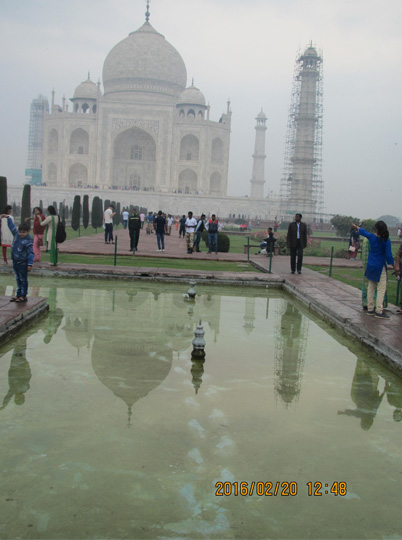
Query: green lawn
{"points": [[354, 277], [150, 262]]}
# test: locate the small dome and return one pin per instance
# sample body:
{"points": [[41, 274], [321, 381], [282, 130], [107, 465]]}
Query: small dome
{"points": [[191, 96], [86, 90], [144, 62], [310, 51], [262, 115]]}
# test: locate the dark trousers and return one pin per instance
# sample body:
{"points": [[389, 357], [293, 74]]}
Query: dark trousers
{"points": [[133, 234], [296, 251], [108, 232], [182, 231], [213, 242], [197, 240], [21, 276]]}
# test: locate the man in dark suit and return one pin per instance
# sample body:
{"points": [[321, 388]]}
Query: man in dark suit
{"points": [[296, 241]]}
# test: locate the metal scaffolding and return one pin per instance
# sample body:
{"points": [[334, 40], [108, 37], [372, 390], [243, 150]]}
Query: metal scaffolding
{"points": [[312, 198], [39, 107]]}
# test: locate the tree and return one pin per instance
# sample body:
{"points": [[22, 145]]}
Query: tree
{"points": [[55, 205], [368, 224], [97, 213], [26, 202], [117, 217], [3, 193], [343, 224], [85, 211], [391, 221], [76, 215], [63, 215], [106, 204]]}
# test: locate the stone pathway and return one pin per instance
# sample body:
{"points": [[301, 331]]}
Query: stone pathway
{"points": [[16, 317]]}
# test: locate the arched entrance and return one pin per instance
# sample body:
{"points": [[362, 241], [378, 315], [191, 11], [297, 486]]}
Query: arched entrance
{"points": [[134, 160]]}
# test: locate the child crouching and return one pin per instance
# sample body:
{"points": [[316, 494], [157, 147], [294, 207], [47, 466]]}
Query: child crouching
{"points": [[22, 255]]}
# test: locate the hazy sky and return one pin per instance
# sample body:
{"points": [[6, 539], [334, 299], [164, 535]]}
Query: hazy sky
{"points": [[239, 49]]}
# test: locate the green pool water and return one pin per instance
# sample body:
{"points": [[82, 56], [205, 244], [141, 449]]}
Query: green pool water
{"points": [[109, 430]]}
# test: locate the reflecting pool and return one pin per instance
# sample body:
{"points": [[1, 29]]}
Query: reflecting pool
{"points": [[109, 430]]}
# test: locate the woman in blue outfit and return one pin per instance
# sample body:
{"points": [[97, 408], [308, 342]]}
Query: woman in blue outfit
{"points": [[376, 272]]}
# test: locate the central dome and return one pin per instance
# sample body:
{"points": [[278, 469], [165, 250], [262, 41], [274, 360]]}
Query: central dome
{"points": [[144, 62]]}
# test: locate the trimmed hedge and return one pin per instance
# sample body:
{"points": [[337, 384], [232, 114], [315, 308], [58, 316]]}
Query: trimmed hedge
{"points": [[223, 241]]}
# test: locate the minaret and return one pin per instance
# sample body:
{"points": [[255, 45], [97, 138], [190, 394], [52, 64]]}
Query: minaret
{"points": [[257, 179], [303, 175]]}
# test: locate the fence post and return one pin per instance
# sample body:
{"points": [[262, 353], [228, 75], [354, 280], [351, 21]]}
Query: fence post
{"points": [[270, 257], [248, 249], [330, 264], [398, 286], [115, 249]]}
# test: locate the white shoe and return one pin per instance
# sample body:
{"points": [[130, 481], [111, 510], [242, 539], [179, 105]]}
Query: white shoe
{"points": [[159, 250], [163, 250]]}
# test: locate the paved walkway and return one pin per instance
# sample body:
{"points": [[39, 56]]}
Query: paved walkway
{"points": [[15, 317]]}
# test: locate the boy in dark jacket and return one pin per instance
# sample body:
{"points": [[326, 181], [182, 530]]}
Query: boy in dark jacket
{"points": [[22, 255]]}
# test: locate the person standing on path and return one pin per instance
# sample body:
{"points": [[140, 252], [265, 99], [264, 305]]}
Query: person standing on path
{"points": [[108, 216], [213, 227], [142, 219], [150, 222], [38, 232], [191, 224], [160, 223], [198, 233], [6, 236], [50, 221], [376, 271], [125, 216], [134, 228], [296, 241], [182, 230]]}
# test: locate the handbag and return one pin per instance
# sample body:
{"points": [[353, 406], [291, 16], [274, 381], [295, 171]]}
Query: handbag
{"points": [[352, 249]]}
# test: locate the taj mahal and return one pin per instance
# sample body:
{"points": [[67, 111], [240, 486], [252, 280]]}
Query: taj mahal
{"points": [[148, 136]]}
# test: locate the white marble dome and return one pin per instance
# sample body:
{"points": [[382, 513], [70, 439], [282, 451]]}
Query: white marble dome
{"points": [[144, 62], [86, 90], [191, 96]]}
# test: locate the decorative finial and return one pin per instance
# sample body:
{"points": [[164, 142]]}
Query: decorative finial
{"points": [[192, 81], [147, 14], [89, 76]]}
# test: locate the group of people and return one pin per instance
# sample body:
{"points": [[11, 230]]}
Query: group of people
{"points": [[161, 224], [377, 255], [25, 250]]}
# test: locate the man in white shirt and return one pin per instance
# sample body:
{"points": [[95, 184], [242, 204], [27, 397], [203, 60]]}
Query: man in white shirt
{"points": [[108, 221], [125, 216], [191, 224], [169, 224]]}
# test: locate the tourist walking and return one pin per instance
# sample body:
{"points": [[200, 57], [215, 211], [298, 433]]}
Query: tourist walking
{"points": [[22, 256], [108, 216], [191, 224], [38, 231], [160, 223], [296, 241], [50, 222], [198, 233], [125, 216], [169, 224], [134, 228], [6, 236], [182, 222], [142, 219], [150, 222], [376, 271], [213, 227]]}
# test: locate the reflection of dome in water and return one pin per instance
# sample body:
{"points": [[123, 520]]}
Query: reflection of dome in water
{"points": [[126, 367]]}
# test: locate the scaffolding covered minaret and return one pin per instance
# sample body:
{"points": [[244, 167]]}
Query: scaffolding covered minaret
{"points": [[39, 107], [257, 179], [302, 186]]}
